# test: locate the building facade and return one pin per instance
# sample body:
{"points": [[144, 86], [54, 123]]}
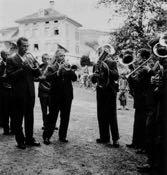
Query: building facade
{"points": [[47, 29]]}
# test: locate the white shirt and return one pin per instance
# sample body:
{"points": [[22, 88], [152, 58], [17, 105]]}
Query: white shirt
{"points": [[23, 58]]}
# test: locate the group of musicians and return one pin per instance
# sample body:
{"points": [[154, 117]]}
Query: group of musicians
{"points": [[148, 88], [18, 73], [17, 98]]}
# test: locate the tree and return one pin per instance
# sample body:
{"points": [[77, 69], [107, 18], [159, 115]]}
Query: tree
{"points": [[144, 19]]}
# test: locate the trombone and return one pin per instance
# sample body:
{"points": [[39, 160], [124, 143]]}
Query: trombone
{"points": [[127, 58]]}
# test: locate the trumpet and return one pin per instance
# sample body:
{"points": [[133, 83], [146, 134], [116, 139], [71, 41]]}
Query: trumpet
{"points": [[55, 67]]}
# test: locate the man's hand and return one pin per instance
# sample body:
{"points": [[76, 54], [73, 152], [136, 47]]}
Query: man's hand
{"points": [[26, 66]]}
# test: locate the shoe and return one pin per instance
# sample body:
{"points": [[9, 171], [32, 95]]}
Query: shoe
{"points": [[21, 146], [33, 143], [131, 145], [63, 140], [144, 169], [102, 141], [46, 141], [115, 144]]}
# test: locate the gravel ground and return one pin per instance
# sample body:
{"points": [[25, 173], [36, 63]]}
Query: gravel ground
{"points": [[81, 156]]}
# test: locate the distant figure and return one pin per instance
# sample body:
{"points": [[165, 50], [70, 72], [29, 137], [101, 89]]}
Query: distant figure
{"points": [[84, 76], [123, 85]]}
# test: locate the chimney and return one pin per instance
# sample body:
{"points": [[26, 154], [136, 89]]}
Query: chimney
{"points": [[52, 4]]}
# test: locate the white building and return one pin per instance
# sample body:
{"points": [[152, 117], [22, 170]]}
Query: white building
{"points": [[47, 30]]}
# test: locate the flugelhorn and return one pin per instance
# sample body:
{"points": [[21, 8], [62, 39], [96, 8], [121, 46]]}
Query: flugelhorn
{"points": [[31, 61]]}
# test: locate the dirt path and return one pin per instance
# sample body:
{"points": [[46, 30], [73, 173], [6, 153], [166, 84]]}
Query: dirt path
{"points": [[81, 156]]}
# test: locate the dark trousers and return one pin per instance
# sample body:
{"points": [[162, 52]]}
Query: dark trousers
{"points": [[1, 108], [44, 101], [55, 106], [24, 109], [7, 111], [107, 116], [139, 128]]}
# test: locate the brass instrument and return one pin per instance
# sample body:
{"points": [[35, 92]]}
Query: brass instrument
{"points": [[144, 54], [54, 67], [160, 50], [102, 68], [126, 58], [31, 61]]}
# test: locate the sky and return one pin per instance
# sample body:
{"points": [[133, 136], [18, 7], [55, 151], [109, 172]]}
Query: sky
{"points": [[83, 11]]}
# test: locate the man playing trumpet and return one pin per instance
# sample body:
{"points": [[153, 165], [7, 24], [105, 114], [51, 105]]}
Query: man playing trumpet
{"points": [[61, 95], [21, 70]]}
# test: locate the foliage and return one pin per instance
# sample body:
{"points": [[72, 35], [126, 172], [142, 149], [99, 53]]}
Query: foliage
{"points": [[85, 60], [144, 19]]}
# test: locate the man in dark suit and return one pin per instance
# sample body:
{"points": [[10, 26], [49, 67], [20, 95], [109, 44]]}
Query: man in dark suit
{"points": [[106, 103], [6, 97], [43, 89], [61, 95], [21, 74]]}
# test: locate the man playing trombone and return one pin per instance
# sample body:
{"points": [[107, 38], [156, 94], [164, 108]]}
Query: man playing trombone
{"points": [[106, 92], [21, 70]]}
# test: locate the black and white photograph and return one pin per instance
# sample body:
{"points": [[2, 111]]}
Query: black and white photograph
{"points": [[83, 87]]}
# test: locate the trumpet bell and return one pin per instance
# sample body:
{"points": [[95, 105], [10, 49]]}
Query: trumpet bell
{"points": [[105, 50], [144, 53], [126, 58], [160, 50]]}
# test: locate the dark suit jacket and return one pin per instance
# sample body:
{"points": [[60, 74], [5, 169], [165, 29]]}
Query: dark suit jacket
{"points": [[113, 76], [22, 80], [61, 86], [44, 85]]}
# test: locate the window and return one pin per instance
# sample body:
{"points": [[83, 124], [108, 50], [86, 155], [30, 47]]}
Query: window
{"points": [[55, 21], [47, 31], [77, 49], [56, 32], [47, 22], [36, 47]]}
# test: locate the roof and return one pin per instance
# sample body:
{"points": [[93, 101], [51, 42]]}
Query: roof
{"points": [[48, 15], [8, 29], [85, 30], [9, 34]]}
